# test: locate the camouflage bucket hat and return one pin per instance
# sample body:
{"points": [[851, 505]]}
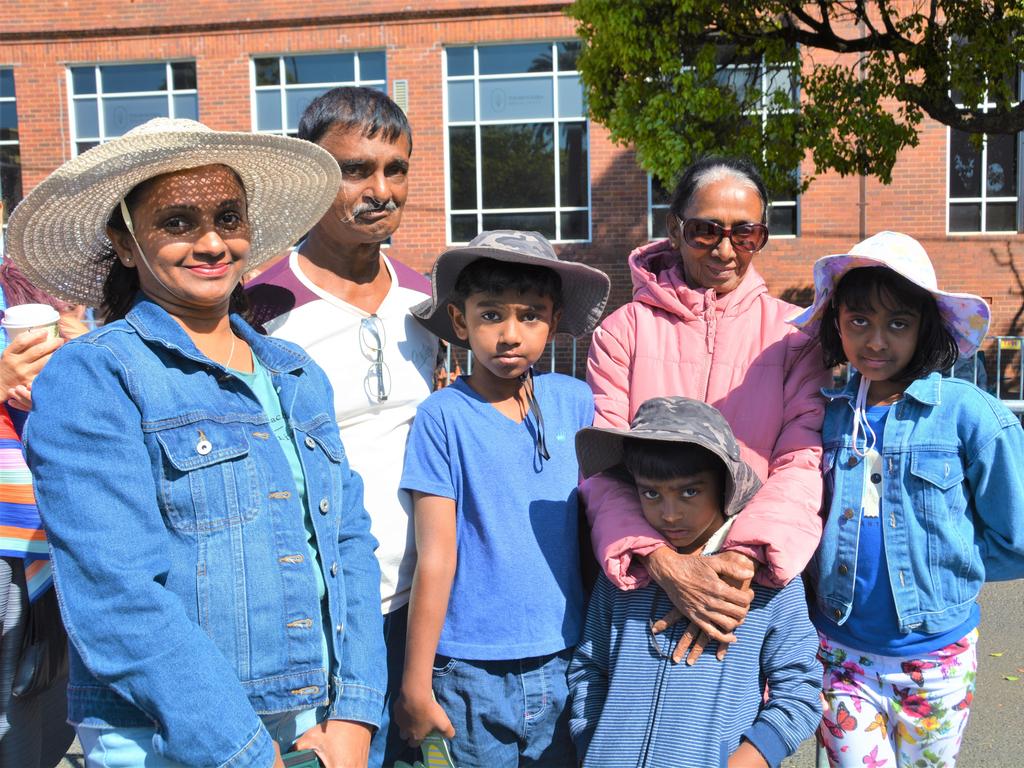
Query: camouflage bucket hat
{"points": [[673, 420], [584, 289]]}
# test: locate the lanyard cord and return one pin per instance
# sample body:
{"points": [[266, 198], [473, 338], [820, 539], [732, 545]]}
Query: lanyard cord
{"points": [[860, 418], [534, 406]]}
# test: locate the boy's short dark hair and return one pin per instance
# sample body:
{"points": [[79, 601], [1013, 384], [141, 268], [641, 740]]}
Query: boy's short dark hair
{"points": [[354, 108], [492, 277], [665, 460], [863, 288]]}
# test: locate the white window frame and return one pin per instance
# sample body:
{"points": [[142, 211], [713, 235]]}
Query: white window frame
{"points": [[282, 87], [170, 93], [476, 78], [762, 111], [984, 199], [10, 142]]}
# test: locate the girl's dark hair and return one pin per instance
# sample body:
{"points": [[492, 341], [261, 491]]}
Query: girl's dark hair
{"points": [[711, 168], [866, 288], [354, 108], [492, 277], [667, 460], [122, 284]]}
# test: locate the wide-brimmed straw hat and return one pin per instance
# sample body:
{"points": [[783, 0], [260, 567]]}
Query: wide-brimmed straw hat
{"points": [[965, 315], [58, 232], [673, 420], [584, 289]]}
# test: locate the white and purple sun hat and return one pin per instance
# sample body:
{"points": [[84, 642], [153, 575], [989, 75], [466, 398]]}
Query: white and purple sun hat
{"points": [[965, 315]]}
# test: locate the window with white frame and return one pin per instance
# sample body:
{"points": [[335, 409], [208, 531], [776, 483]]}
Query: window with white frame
{"points": [[984, 183], [516, 141], [283, 86], [10, 150], [108, 100], [742, 77]]}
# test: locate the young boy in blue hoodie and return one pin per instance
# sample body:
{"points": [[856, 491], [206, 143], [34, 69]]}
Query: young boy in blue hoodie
{"points": [[631, 705], [497, 603]]}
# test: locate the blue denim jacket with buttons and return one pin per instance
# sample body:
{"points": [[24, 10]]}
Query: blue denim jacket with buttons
{"points": [[179, 547], [952, 502]]}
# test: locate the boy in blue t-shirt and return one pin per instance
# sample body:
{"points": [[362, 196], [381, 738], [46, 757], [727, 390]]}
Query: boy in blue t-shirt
{"points": [[497, 602]]}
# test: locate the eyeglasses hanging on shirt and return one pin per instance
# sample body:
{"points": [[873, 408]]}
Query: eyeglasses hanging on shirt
{"points": [[372, 339]]}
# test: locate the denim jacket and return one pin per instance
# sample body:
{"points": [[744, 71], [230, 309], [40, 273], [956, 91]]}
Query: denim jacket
{"points": [[179, 547], [952, 502]]}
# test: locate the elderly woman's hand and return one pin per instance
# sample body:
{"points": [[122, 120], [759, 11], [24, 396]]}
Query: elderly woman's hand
{"points": [[712, 592], [22, 361]]}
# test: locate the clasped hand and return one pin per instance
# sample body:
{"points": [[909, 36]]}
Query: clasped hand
{"points": [[712, 592]]}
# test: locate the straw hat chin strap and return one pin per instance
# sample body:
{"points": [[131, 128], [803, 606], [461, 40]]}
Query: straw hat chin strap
{"points": [[142, 256]]}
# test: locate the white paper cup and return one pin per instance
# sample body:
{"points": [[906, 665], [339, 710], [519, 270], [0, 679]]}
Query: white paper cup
{"points": [[28, 317]]}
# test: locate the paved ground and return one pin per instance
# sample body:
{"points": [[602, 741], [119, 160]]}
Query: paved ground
{"points": [[993, 733]]}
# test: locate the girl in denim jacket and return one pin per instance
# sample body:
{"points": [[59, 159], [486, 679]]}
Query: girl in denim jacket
{"points": [[924, 497]]}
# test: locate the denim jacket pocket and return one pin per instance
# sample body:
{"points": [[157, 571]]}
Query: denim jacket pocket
{"points": [[937, 491], [208, 480]]}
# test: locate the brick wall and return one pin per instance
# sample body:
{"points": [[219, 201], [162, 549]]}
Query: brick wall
{"points": [[222, 35]]}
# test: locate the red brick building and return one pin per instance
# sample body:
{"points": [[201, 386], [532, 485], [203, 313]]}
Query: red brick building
{"points": [[500, 133]]}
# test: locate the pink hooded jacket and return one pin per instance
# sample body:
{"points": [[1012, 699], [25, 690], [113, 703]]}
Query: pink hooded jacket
{"points": [[737, 353]]}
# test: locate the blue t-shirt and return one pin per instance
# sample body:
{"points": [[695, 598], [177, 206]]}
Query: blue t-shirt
{"points": [[873, 625], [517, 590]]}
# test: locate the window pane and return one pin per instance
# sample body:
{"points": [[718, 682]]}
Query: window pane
{"points": [[518, 166], [1001, 217], [297, 100], [516, 99], [964, 169], [572, 146], [570, 97], [83, 146], [1001, 179], [462, 157], [134, 77], [568, 52], [464, 228], [511, 59], [8, 120], [187, 106], [659, 195], [658, 228], [965, 217], [121, 114], [87, 121], [323, 68], [83, 80], [461, 104], [536, 222], [780, 80], [184, 75], [738, 79], [268, 71], [10, 176], [574, 225], [6, 83], [460, 61], [372, 66], [782, 220], [268, 110]]}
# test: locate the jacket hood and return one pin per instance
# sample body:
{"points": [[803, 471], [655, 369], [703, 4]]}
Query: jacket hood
{"points": [[657, 274]]}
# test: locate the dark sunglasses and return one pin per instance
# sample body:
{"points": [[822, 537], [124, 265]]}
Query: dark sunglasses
{"points": [[704, 235]]}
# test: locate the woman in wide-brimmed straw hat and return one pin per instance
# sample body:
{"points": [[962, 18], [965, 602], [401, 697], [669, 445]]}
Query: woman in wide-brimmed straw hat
{"points": [[208, 538]]}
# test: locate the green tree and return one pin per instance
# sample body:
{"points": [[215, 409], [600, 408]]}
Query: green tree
{"points": [[661, 75]]}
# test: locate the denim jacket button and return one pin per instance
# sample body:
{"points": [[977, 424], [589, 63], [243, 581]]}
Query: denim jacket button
{"points": [[325, 506], [851, 462], [843, 570], [876, 478], [203, 447], [837, 613], [848, 513], [310, 442], [339, 628], [334, 569]]}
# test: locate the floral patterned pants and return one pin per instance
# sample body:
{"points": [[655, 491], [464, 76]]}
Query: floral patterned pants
{"points": [[891, 712]]}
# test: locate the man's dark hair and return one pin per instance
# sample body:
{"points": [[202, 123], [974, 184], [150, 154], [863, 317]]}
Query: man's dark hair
{"points": [[664, 460], [355, 108], [867, 288], [492, 277]]}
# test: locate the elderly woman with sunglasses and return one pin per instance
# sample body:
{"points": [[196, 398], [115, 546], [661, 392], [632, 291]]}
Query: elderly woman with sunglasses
{"points": [[211, 552], [702, 325]]}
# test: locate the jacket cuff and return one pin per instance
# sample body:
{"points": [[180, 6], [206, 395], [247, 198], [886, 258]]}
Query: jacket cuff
{"points": [[356, 702], [768, 742], [257, 753], [625, 570]]}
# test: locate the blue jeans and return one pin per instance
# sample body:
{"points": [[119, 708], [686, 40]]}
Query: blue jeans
{"points": [[507, 713], [387, 746]]}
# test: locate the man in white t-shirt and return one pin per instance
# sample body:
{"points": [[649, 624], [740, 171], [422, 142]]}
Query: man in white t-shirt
{"points": [[340, 298]]}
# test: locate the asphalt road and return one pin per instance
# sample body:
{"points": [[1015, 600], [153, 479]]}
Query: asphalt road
{"points": [[995, 728]]}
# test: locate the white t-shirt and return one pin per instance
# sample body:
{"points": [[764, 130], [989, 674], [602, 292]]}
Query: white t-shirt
{"points": [[289, 306]]}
